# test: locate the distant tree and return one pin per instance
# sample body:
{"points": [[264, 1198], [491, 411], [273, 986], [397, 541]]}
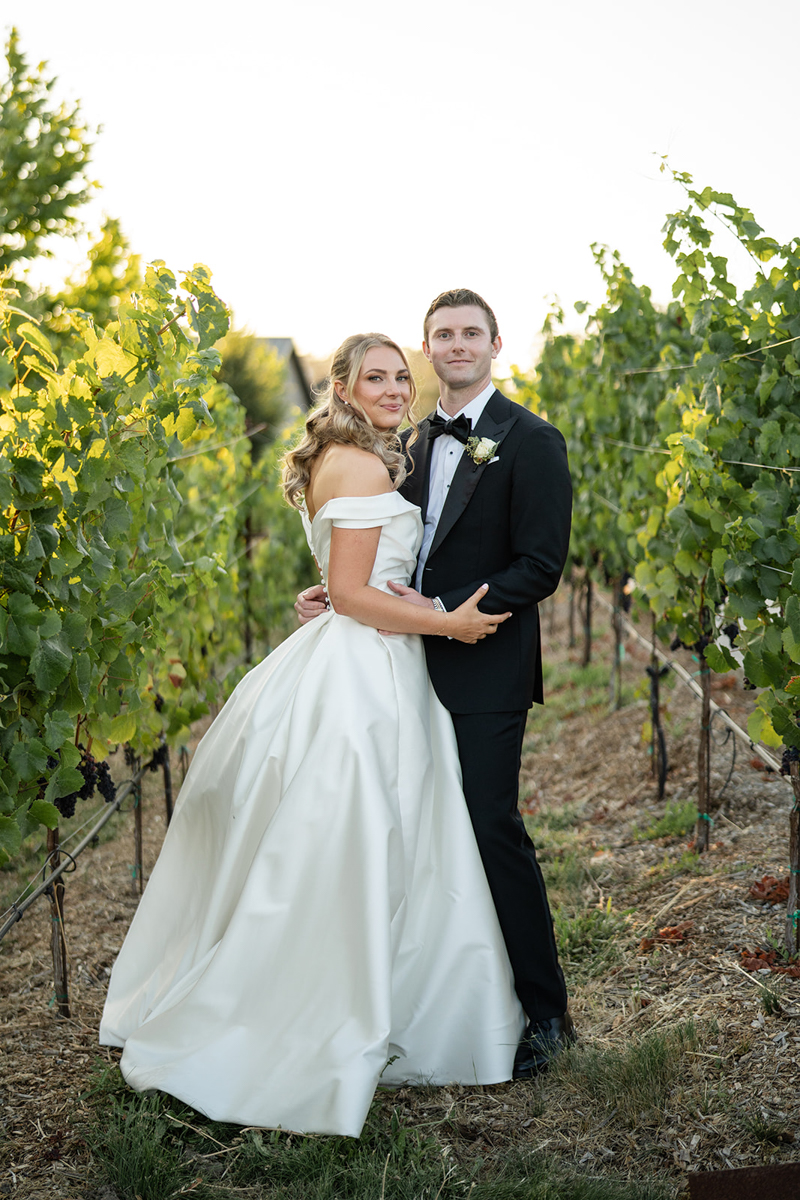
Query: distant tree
{"points": [[426, 381], [255, 374], [112, 274], [44, 152]]}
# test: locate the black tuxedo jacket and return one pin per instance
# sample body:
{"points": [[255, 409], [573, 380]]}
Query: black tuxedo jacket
{"points": [[505, 523]]}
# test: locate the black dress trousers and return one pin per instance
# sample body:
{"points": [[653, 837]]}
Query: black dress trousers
{"points": [[490, 749]]}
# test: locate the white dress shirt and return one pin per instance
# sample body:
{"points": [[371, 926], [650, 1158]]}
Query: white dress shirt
{"points": [[445, 456]]}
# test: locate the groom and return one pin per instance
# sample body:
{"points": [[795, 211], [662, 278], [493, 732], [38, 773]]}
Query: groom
{"points": [[493, 485]]}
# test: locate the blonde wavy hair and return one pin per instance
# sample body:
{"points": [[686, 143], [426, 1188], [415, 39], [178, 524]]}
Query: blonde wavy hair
{"points": [[344, 422]]}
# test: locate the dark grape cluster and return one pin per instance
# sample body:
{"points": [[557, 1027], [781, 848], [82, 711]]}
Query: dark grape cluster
{"points": [[95, 775], [105, 784], [159, 757], [158, 700], [732, 631], [66, 804], [790, 754], [88, 769]]}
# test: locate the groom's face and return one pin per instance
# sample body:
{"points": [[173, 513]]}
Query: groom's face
{"points": [[459, 345]]}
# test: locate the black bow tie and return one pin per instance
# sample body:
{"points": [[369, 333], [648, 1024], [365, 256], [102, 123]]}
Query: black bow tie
{"points": [[460, 427]]}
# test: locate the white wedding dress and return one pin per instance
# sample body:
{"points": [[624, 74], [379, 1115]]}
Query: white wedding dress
{"points": [[319, 909]]}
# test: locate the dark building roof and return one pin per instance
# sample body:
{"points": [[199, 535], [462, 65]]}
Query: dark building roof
{"points": [[297, 389]]}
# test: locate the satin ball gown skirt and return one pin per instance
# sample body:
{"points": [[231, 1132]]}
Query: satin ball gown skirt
{"points": [[319, 920]]}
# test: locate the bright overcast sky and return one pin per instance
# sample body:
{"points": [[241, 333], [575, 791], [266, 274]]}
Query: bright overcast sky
{"points": [[338, 165]]}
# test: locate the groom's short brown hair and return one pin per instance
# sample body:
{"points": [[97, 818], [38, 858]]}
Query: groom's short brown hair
{"points": [[457, 297]]}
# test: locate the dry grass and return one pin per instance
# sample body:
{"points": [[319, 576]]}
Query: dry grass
{"points": [[685, 1062]]}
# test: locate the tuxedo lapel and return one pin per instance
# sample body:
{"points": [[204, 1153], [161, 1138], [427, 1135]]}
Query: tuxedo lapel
{"points": [[416, 484], [494, 422]]}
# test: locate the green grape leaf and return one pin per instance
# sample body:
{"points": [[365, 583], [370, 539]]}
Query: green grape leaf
{"points": [[34, 336], [45, 813], [111, 359], [28, 758], [720, 659], [122, 728], [15, 578], [784, 723], [10, 838], [791, 633], [28, 474], [59, 727], [64, 782], [50, 663], [760, 729], [24, 618]]}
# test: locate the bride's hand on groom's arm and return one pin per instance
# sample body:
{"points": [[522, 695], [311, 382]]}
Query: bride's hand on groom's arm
{"points": [[310, 603], [352, 559], [466, 622]]}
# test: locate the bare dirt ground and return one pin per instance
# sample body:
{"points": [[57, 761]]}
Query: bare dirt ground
{"points": [[652, 939]]}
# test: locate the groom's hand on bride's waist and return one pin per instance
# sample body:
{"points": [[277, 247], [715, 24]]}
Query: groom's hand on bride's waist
{"points": [[311, 603]]}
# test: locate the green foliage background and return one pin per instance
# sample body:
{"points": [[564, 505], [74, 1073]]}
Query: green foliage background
{"points": [[138, 537], [44, 154], [684, 440]]}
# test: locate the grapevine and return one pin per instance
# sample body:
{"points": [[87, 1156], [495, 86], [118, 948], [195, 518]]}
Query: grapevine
{"points": [[684, 436]]}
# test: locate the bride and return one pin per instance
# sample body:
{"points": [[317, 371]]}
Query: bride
{"points": [[319, 920]]}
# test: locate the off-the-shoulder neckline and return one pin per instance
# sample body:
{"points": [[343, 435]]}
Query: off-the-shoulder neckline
{"points": [[334, 499]]}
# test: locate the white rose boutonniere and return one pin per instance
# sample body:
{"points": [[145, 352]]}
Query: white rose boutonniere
{"points": [[481, 450]]}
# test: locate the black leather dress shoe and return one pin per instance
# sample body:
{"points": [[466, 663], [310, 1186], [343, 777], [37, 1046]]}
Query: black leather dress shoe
{"points": [[541, 1041]]}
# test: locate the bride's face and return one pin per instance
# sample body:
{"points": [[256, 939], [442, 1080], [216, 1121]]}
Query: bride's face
{"points": [[383, 387]]}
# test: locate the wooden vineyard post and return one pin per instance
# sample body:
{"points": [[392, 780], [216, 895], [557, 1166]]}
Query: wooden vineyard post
{"points": [[166, 768], [571, 617], [702, 838], [587, 623], [137, 870], [792, 935], [658, 745], [247, 590], [615, 682], [655, 700], [57, 940]]}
